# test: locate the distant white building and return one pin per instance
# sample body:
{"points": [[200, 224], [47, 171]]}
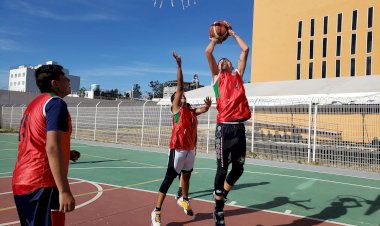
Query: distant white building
{"points": [[22, 78]]}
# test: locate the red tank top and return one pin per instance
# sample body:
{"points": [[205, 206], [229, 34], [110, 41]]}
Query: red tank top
{"points": [[184, 132], [231, 102], [32, 168]]}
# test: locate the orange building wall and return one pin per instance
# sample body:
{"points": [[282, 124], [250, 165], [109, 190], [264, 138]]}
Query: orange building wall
{"points": [[275, 29]]}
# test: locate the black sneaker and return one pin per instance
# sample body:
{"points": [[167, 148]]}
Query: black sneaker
{"points": [[219, 218]]}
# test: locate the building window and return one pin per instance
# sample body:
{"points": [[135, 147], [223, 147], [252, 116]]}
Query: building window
{"points": [[298, 71], [369, 42], [324, 47], [354, 20], [337, 68], [339, 24], [311, 70], [324, 69], [338, 45], [299, 29], [352, 70], [353, 43], [11, 75], [23, 82], [10, 84], [18, 83], [311, 49], [312, 27], [369, 66], [325, 24], [299, 51], [370, 17]]}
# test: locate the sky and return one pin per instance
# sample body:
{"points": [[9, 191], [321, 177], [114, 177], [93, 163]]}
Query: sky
{"points": [[118, 43]]}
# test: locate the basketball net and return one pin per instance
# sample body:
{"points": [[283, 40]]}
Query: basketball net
{"points": [[185, 3]]}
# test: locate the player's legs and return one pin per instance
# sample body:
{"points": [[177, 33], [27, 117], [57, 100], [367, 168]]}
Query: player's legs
{"points": [[237, 158], [35, 208], [188, 164]]}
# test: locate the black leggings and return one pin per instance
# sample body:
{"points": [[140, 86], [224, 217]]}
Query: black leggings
{"points": [[230, 145]]}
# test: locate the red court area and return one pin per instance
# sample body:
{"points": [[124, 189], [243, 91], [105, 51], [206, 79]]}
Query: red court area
{"points": [[99, 204]]}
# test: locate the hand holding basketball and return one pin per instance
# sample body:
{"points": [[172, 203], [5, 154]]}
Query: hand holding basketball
{"points": [[74, 155], [219, 30]]}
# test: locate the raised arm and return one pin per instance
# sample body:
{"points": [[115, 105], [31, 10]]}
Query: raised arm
{"points": [[178, 95], [242, 63], [211, 59], [204, 108]]}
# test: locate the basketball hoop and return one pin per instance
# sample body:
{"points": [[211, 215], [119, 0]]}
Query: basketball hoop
{"points": [[185, 3]]}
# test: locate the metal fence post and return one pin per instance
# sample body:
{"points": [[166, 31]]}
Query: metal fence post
{"points": [[315, 130], [96, 113], [142, 124], [253, 126], [208, 130], [10, 124], [117, 120], [76, 121], [309, 133], [159, 127]]}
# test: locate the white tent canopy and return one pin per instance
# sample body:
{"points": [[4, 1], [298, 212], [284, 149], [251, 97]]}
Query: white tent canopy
{"points": [[344, 90]]}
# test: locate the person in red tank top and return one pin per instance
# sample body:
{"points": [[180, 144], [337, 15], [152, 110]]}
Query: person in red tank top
{"points": [[182, 146], [40, 185], [233, 110]]}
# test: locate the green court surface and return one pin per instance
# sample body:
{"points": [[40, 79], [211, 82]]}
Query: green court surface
{"points": [[343, 196]]}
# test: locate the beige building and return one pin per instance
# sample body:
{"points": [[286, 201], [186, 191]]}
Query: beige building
{"points": [[308, 39]]}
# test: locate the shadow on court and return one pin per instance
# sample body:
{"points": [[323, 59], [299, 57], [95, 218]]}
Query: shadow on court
{"points": [[236, 187], [99, 161], [338, 208]]}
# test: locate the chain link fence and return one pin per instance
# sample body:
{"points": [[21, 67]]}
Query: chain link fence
{"points": [[336, 132]]}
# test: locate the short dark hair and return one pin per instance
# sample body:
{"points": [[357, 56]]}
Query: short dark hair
{"points": [[45, 74], [172, 97]]}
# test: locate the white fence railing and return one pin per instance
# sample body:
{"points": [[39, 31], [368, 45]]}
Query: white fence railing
{"points": [[339, 135]]}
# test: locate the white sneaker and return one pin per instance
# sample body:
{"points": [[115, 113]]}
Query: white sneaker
{"points": [[156, 218], [186, 206]]}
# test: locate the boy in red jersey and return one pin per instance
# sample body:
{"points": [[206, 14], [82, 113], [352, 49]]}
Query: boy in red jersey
{"points": [[233, 110], [182, 146], [39, 183]]}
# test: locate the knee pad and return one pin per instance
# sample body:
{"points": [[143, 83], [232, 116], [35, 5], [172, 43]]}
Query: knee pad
{"points": [[220, 176], [170, 175], [236, 171]]}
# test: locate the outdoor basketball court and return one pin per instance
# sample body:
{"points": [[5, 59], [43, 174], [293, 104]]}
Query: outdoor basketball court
{"points": [[117, 185]]}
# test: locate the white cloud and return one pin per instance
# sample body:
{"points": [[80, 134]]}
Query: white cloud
{"points": [[55, 12], [8, 45]]}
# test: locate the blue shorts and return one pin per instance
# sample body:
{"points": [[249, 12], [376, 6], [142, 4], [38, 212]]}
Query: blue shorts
{"points": [[35, 208]]}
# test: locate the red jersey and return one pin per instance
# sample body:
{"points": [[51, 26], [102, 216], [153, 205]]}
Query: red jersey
{"points": [[184, 132], [32, 168], [231, 102]]}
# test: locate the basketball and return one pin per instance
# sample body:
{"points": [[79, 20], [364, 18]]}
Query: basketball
{"points": [[219, 30], [74, 155]]}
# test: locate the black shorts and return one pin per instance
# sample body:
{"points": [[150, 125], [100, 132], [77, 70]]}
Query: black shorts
{"points": [[35, 207], [230, 143]]}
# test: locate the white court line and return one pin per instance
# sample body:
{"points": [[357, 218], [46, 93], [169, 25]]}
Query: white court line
{"points": [[8, 149], [238, 206], [245, 171], [288, 212], [5, 193], [97, 196]]}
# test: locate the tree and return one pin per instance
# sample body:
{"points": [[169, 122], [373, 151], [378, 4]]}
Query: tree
{"points": [[82, 92], [136, 91], [157, 89]]}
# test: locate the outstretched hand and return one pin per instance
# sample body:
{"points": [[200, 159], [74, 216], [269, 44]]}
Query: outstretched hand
{"points": [[207, 101], [177, 58]]}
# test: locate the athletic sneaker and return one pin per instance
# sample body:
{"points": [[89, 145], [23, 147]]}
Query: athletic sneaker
{"points": [[186, 206], [219, 218], [156, 218]]}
